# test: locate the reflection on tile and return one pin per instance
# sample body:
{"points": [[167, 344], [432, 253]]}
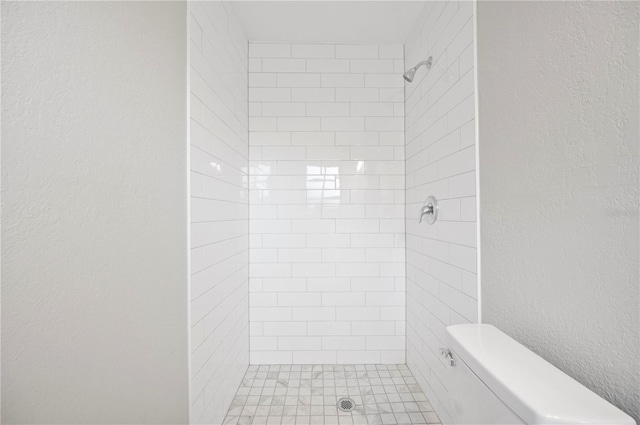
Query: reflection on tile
{"points": [[308, 394]]}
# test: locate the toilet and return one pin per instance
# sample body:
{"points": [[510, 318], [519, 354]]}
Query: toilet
{"points": [[493, 379]]}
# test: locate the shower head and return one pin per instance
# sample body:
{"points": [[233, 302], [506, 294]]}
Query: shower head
{"points": [[410, 74]]}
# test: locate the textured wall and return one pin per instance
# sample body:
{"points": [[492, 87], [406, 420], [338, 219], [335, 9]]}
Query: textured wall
{"points": [[441, 258], [219, 209], [94, 191], [327, 194], [559, 185]]}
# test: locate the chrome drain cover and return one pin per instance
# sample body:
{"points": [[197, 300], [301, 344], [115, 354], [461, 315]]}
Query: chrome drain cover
{"points": [[346, 404]]}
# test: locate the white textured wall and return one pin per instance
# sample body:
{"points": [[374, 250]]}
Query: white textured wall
{"points": [[219, 209], [327, 195], [441, 258], [94, 213], [559, 184]]}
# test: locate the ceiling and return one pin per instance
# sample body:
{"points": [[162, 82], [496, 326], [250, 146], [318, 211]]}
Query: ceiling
{"points": [[328, 21]]}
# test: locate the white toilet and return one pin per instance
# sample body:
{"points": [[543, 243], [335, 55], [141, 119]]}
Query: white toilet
{"points": [[496, 380]]}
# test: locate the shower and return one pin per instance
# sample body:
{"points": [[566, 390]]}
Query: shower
{"points": [[410, 74]]}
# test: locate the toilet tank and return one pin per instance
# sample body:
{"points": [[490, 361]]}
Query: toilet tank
{"points": [[496, 380]]}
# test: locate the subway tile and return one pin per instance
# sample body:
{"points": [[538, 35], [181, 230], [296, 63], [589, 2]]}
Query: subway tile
{"points": [[326, 284], [440, 113], [351, 357], [299, 299], [255, 65], [462, 185], [282, 109], [264, 343], [329, 329], [284, 329], [298, 80], [299, 343], [385, 299], [332, 109], [328, 240], [313, 270], [343, 343], [356, 94], [335, 299], [468, 208], [307, 226], [269, 50], [371, 66], [314, 314], [354, 314], [327, 152], [271, 357], [357, 225], [260, 94], [371, 240], [371, 152], [391, 51], [312, 138], [313, 357], [284, 240], [298, 124], [358, 269], [298, 211], [353, 51], [299, 255], [271, 314], [380, 284], [342, 80], [327, 65], [351, 138], [342, 124], [392, 313], [283, 153], [283, 65], [313, 95], [385, 342], [392, 357], [313, 51], [384, 124], [370, 109], [343, 255], [391, 94], [383, 80], [259, 79], [263, 123], [279, 284], [377, 327], [255, 109], [219, 183]]}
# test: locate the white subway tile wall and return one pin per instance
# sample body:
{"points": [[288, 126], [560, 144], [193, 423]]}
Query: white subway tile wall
{"points": [[440, 160], [219, 209], [327, 187]]}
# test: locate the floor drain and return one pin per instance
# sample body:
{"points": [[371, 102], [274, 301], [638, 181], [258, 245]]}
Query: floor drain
{"points": [[346, 404]]}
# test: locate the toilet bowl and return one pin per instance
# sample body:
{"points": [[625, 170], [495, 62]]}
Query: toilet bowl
{"points": [[493, 379]]}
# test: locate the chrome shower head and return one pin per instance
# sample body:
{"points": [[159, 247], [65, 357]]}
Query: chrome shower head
{"points": [[410, 74]]}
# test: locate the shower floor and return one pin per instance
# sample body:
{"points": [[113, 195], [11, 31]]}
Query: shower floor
{"points": [[308, 394]]}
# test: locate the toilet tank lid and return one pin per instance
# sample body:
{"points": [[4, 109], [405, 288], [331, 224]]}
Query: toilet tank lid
{"points": [[536, 391]]}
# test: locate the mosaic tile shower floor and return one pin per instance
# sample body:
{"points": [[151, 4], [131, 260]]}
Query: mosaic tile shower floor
{"points": [[308, 394]]}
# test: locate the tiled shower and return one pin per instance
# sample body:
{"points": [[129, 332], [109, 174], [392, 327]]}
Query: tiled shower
{"points": [[311, 278]]}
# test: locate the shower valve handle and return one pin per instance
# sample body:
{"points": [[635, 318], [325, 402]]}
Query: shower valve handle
{"points": [[430, 209], [427, 209]]}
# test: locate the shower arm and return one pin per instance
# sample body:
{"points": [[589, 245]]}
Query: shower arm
{"points": [[428, 63]]}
